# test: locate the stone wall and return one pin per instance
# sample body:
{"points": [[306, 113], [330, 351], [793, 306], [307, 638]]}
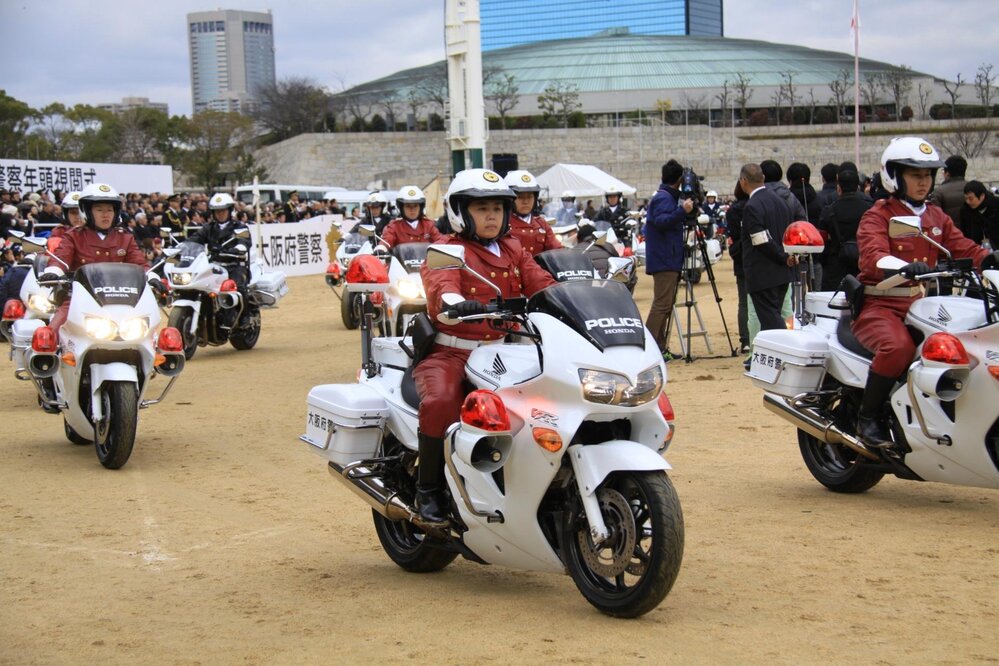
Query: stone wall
{"points": [[633, 154]]}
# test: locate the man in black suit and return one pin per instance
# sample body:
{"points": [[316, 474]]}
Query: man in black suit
{"points": [[764, 261], [840, 220]]}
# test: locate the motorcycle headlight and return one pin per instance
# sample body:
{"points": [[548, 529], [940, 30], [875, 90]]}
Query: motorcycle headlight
{"points": [[180, 278], [40, 303], [410, 289], [100, 328], [610, 388], [134, 329]]}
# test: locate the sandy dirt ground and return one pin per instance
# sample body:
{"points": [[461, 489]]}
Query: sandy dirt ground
{"points": [[225, 541]]}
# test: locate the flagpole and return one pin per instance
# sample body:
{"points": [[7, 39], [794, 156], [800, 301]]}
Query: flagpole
{"points": [[856, 83]]}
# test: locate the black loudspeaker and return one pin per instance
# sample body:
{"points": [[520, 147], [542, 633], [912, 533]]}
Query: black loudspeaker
{"points": [[504, 163]]}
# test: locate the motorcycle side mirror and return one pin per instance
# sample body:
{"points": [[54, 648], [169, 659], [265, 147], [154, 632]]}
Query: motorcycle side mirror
{"points": [[31, 244], [635, 215], [16, 234], [367, 230], [241, 233], [617, 268], [445, 256], [904, 226], [171, 251]]}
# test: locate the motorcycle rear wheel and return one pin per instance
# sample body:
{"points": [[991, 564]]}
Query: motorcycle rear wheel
{"points": [[246, 338], [407, 546], [115, 437], [838, 468], [634, 569], [73, 436], [180, 318]]}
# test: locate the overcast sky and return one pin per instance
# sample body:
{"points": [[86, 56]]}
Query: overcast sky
{"points": [[94, 51]]}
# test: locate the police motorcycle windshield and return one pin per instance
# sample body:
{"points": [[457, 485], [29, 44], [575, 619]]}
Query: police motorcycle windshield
{"points": [[411, 255], [188, 251], [566, 265], [602, 311], [112, 284]]}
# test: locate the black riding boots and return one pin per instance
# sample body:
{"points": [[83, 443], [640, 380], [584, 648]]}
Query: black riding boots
{"points": [[430, 499], [872, 425]]}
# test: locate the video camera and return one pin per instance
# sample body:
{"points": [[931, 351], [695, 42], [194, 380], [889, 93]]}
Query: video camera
{"points": [[690, 188]]}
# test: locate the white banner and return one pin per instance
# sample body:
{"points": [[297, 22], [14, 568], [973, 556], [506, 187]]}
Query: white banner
{"points": [[33, 175], [298, 248]]}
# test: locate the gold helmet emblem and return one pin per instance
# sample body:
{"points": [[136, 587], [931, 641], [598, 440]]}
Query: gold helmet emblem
{"points": [[525, 178], [411, 193], [218, 198], [490, 177], [76, 196], [925, 148], [104, 188]]}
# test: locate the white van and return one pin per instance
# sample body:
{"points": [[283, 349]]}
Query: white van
{"points": [[347, 200], [270, 193]]}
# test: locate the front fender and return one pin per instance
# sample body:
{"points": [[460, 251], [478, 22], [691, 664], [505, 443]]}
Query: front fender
{"points": [[593, 463], [101, 373], [195, 306]]}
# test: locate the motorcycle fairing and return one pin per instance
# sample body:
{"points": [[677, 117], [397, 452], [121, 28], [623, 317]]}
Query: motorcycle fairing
{"points": [[601, 311], [112, 284]]}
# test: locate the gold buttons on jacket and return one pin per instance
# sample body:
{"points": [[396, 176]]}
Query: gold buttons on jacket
{"points": [[492, 274], [505, 274], [472, 289]]}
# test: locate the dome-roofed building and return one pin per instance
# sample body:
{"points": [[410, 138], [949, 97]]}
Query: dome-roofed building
{"points": [[617, 72]]}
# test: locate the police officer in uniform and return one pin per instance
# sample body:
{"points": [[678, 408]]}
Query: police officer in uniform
{"points": [[290, 207], [413, 226], [478, 206], [908, 168], [174, 217], [531, 230]]}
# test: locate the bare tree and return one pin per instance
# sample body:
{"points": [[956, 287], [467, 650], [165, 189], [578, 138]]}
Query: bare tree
{"points": [[504, 93], [923, 95], [722, 98], [897, 82], [140, 132], [953, 91], [389, 103], [789, 91], [559, 100], [694, 106], [812, 103], [966, 138], [778, 100], [840, 88], [291, 106], [358, 106], [985, 87], [743, 91], [433, 86], [870, 90]]}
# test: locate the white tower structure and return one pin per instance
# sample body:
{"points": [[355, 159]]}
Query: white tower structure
{"points": [[467, 117]]}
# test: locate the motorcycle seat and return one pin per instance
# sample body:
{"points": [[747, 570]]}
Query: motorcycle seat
{"points": [[846, 338], [409, 393]]}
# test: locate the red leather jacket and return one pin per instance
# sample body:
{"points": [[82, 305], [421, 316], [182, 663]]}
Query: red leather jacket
{"points": [[873, 241], [536, 236], [398, 231], [83, 245], [514, 271]]}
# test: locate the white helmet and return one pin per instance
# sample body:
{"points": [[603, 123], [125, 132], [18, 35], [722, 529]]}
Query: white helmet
{"points": [[475, 184], [907, 151], [712, 193], [71, 200], [98, 193], [376, 199], [522, 181], [221, 200], [568, 194], [410, 194]]}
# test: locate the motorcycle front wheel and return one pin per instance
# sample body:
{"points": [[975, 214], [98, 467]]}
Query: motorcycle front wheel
{"points": [[838, 468], [633, 570], [246, 338], [115, 435], [180, 318], [408, 547]]}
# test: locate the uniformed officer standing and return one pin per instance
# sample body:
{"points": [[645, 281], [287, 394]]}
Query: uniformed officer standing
{"points": [[174, 217], [531, 230]]}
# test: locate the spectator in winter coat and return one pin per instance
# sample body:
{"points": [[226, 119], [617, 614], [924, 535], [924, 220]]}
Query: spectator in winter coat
{"points": [[772, 173], [980, 214], [949, 195]]}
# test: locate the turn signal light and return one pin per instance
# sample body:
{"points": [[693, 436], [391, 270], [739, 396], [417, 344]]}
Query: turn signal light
{"points": [[994, 371], [44, 340], [69, 358], [13, 309], [228, 285], [944, 348], [170, 340], [485, 410], [547, 439], [666, 407], [367, 269]]}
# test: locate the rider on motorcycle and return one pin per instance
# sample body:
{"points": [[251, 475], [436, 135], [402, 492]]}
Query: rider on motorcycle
{"points": [[71, 215], [97, 241], [374, 212], [216, 235], [478, 207], [413, 226], [531, 230], [908, 169], [566, 214], [614, 215]]}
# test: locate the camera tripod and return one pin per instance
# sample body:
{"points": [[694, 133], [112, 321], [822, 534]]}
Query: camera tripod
{"points": [[691, 252]]}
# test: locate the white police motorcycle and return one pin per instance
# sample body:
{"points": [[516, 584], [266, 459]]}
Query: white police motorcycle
{"points": [[556, 463], [32, 308], [208, 308], [350, 243], [944, 414], [97, 373]]}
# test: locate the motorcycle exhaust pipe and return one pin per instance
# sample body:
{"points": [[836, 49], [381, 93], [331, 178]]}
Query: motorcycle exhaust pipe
{"points": [[372, 490], [43, 366], [816, 425]]}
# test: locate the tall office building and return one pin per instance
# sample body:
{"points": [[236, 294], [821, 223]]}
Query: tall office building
{"points": [[232, 54], [513, 22]]}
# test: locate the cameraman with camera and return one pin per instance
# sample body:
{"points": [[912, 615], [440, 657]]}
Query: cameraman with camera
{"points": [[664, 239]]}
